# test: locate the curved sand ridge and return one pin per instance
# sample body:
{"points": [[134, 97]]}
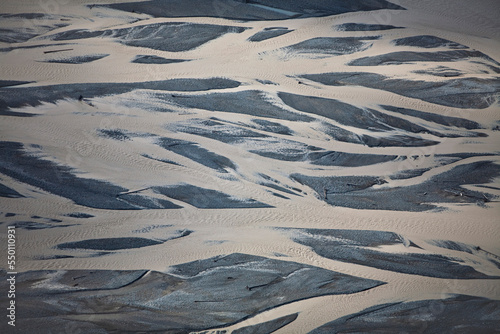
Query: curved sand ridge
{"points": [[277, 167]]}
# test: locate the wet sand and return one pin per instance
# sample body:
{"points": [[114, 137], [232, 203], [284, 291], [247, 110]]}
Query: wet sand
{"points": [[251, 167]]}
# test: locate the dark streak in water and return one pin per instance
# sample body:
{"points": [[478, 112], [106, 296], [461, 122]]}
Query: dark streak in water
{"points": [[60, 180], [459, 93], [442, 188], [457, 314], [360, 247], [251, 10], [16, 97], [171, 36], [203, 198]]}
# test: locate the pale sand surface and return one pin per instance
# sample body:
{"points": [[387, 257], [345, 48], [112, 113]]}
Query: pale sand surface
{"points": [[66, 132]]}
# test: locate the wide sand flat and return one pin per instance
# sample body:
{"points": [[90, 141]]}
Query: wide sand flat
{"points": [[361, 146]]}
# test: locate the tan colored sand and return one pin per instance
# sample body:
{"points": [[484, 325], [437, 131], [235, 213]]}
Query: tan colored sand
{"points": [[71, 138]]}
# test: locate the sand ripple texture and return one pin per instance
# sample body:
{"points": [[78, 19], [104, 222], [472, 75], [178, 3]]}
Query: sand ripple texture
{"points": [[251, 166]]}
